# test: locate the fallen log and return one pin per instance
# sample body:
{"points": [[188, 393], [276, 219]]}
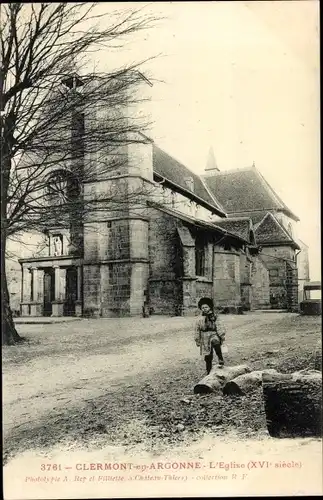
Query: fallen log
{"points": [[243, 384], [218, 377], [293, 403]]}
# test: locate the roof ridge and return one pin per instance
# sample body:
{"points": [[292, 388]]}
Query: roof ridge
{"points": [[233, 170], [240, 218], [231, 220], [271, 190], [212, 195]]}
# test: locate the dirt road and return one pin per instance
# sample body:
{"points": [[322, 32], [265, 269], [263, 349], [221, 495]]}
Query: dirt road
{"points": [[85, 379], [72, 362]]}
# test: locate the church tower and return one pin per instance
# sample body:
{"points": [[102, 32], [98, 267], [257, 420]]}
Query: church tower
{"points": [[116, 265]]}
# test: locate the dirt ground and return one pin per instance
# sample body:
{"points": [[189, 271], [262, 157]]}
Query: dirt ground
{"points": [[128, 383]]}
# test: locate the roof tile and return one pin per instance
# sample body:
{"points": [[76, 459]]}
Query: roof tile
{"points": [[270, 231], [166, 166], [245, 190], [240, 226]]}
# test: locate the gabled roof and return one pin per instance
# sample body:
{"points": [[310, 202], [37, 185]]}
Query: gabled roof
{"points": [[177, 175], [241, 226], [245, 190], [270, 232]]}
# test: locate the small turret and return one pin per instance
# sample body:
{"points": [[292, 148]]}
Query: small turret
{"points": [[211, 165]]}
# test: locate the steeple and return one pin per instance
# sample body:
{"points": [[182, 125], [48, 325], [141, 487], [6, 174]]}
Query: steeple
{"points": [[211, 166]]}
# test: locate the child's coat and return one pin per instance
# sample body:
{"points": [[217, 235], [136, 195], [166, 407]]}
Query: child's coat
{"points": [[206, 335]]}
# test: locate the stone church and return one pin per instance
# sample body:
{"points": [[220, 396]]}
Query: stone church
{"points": [[224, 234]]}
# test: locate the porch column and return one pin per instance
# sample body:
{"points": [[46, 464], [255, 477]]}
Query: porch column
{"points": [[62, 284], [40, 292], [78, 302], [35, 306], [26, 284], [25, 291], [34, 272], [79, 283], [57, 283]]}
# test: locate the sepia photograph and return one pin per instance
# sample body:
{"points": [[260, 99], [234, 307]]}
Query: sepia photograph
{"points": [[161, 249]]}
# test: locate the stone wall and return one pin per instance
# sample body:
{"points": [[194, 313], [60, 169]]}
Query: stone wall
{"points": [[91, 290], [303, 269], [292, 286], [260, 284], [275, 259], [166, 266], [226, 278], [116, 267], [204, 288], [245, 281]]}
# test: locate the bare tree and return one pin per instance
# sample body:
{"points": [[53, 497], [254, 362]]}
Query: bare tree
{"points": [[51, 118]]}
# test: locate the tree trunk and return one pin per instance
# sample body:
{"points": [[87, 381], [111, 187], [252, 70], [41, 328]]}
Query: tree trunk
{"points": [[9, 333], [217, 378], [293, 403], [243, 384]]}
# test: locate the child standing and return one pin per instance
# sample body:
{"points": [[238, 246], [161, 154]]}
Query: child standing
{"points": [[210, 333]]}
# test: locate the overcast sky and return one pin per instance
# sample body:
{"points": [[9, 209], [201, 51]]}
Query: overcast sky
{"points": [[242, 77]]}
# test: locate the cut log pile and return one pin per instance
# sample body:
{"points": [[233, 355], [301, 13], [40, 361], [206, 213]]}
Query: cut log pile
{"points": [[243, 384], [292, 402], [218, 377]]}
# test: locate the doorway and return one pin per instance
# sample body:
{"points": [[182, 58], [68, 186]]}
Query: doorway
{"points": [[71, 291], [49, 291]]}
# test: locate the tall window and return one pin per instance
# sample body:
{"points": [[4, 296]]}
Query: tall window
{"points": [[199, 256]]}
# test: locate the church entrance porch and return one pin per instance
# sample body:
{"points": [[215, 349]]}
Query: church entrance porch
{"points": [[51, 287]]}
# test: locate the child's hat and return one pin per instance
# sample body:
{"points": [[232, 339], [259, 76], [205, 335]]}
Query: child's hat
{"points": [[205, 300]]}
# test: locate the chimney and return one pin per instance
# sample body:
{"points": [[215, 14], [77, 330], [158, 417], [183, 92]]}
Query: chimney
{"points": [[211, 166]]}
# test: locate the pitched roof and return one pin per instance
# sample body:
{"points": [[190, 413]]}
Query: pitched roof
{"points": [[245, 190], [182, 178], [241, 226], [271, 232], [197, 222]]}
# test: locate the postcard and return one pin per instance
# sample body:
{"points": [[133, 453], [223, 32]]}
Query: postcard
{"points": [[161, 293]]}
